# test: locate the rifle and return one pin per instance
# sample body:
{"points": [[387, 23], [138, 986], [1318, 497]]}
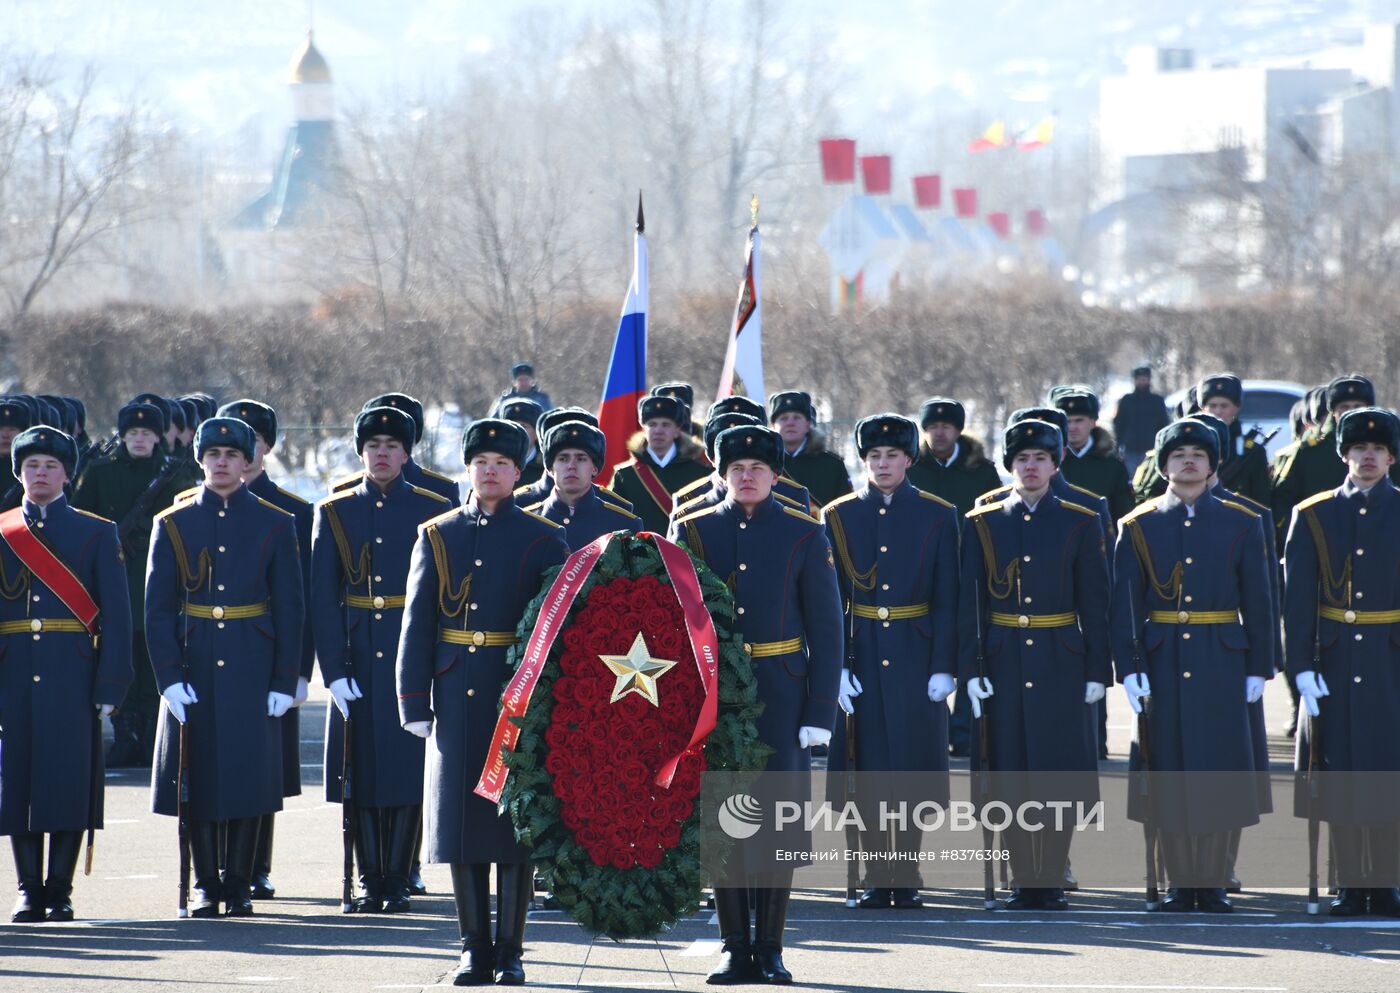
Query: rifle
{"points": [[144, 506], [1314, 746], [182, 777], [1144, 732], [852, 832], [984, 785], [347, 801], [94, 789]]}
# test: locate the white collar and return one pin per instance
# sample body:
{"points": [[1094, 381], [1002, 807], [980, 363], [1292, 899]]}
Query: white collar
{"points": [[952, 456], [1079, 452], [798, 451], [663, 460]]}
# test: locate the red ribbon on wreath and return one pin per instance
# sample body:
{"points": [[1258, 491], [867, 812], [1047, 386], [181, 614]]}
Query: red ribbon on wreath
{"points": [[700, 628]]}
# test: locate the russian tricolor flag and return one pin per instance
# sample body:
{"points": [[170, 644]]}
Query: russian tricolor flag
{"points": [[627, 373]]}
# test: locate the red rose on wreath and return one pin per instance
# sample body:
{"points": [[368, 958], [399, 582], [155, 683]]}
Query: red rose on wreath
{"points": [[633, 775], [650, 856]]}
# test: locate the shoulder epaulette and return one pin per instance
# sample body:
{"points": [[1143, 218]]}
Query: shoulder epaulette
{"points": [[681, 509], [289, 493], [542, 520], [1146, 507], [193, 491], [441, 518], [1240, 507], [612, 492], [340, 495], [840, 500], [697, 514], [680, 494], [345, 481], [1317, 498], [1081, 489], [272, 506], [173, 508], [800, 515], [790, 481], [993, 495], [437, 475], [521, 489], [95, 517], [936, 499], [623, 465], [1079, 507], [428, 493], [786, 501], [619, 510], [534, 508], [1249, 502], [985, 508]]}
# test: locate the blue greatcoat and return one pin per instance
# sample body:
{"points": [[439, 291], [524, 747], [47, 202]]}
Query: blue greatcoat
{"points": [[781, 569], [710, 492], [540, 489], [1213, 561], [50, 681], [1065, 490], [1049, 560], [300, 510], [1360, 662], [474, 572], [591, 518], [361, 545], [897, 557], [210, 552], [444, 486]]}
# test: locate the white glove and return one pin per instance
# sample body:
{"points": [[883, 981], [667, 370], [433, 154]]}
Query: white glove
{"points": [[940, 686], [420, 728], [850, 689], [809, 736], [278, 704], [104, 709], [1093, 692], [978, 689], [178, 696], [1253, 688], [1311, 687], [343, 691], [303, 689], [1137, 688]]}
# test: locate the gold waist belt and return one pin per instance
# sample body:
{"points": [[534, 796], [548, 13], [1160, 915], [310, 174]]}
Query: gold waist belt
{"points": [[235, 613], [375, 602], [37, 624], [1194, 616], [1348, 616], [891, 613], [1064, 620], [493, 639], [767, 649]]}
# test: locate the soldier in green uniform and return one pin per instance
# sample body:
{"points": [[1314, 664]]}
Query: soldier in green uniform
{"points": [[1313, 466], [1148, 481], [951, 465], [1222, 394], [685, 393], [1092, 460], [793, 415], [664, 460], [130, 487]]}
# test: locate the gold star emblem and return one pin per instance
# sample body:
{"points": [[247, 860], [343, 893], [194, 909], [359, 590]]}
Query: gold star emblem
{"points": [[637, 672]]}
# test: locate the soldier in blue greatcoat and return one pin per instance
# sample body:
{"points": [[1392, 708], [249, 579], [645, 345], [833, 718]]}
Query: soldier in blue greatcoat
{"points": [[416, 474], [539, 490], [1033, 651], [360, 548], [57, 677], [780, 566], [573, 453], [1192, 628], [1342, 647], [263, 420], [224, 616], [472, 574], [897, 561], [710, 491]]}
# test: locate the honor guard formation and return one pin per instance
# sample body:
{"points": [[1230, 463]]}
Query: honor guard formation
{"points": [[162, 579]]}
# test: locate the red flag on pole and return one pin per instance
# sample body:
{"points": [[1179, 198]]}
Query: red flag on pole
{"points": [[928, 191], [838, 160], [875, 171], [965, 202]]}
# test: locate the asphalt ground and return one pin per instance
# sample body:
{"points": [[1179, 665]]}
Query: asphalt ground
{"points": [[127, 937]]}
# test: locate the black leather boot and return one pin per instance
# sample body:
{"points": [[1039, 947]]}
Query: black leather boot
{"points": [[239, 856], [204, 857], [515, 884], [1054, 855], [64, 847], [1385, 870], [1212, 854], [471, 890], [1181, 868], [416, 886], [401, 835], [770, 917], [736, 956], [28, 850], [905, 875], [262, 863], [1347, 841], [369, 856]]}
